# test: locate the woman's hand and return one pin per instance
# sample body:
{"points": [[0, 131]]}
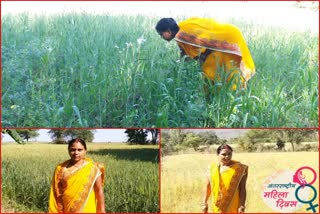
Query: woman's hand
{"points": [[241, 209], [207, 193], [98, 189], [205, 208]]}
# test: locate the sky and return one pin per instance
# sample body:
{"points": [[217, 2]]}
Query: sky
{"points": [[100, 135], [118, 135], [279, 13]]}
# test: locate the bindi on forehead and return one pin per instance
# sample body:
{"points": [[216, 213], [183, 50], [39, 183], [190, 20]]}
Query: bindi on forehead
{"points": [[226, 152], [77, 145], [76, 149]]}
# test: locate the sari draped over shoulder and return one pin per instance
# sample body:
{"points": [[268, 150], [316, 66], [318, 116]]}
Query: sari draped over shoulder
{"points": [[73, 191], [225, 187], [225, 40]]}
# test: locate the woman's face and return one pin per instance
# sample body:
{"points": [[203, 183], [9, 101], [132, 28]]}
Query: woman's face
{"points": [[225, 156], [167, 35], [77, 152]]}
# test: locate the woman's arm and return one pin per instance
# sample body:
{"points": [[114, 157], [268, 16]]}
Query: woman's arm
{"points": [[243, 192], [98, 190], [183, 54], [207, 193], [203, 56], [54, 204]]}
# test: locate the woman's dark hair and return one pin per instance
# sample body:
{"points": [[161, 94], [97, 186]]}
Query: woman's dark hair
{"points": [[223, 146], [167, 24], [77, 140]]}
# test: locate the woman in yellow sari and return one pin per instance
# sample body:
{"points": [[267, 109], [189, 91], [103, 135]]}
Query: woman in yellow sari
{"points": [[77, 184], [226, 182], [218, 46]]}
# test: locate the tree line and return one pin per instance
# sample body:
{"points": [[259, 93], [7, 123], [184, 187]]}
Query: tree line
{"points": [[140, 136], [178, 139], [251, 140], [62, 136]]}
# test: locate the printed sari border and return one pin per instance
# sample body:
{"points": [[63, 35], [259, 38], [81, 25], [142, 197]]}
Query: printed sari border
{"points": [[216, 45]]}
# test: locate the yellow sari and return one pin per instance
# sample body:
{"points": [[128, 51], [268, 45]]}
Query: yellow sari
{"points": [[74, 191], [229, 49], [225, 187]]}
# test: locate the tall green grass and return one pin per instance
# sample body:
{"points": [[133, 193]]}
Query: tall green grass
{"points": [[82, 70], [131, 182]]}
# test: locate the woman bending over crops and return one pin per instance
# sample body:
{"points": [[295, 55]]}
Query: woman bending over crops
{"points": [[218, 46], [226, 182], [77, 184]]}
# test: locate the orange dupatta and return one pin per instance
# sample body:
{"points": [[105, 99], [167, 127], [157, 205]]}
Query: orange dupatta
{"points": [[198, 34], [73, 191], [225, 187]]}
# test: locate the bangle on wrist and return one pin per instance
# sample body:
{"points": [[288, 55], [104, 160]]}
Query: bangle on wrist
{"points": [[242, 207]]}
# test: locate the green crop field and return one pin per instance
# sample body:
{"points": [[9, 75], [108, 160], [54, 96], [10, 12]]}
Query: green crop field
{"points": [[131, 182], [85, 70], [183, 178]]}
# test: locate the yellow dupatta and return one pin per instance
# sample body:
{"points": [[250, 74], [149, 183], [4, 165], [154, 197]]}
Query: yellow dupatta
{"points": [[225, 187], [73, 191], [198, 34]]}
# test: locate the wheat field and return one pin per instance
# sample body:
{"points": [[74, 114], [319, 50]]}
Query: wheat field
{"points": [[131, 183], [183, 177], [85, 70]]}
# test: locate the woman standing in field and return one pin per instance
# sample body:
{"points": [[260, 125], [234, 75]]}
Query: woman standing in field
{"points": [[226, 182], [77, 184], [215, 45]]}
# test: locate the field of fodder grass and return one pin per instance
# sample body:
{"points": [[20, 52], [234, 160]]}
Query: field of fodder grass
{"points": [[183, 178], [85, 70], [131, 182]]}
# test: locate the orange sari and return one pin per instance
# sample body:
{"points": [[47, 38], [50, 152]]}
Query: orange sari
{"points": [[225, 187], [74, 191], [229, 49]]}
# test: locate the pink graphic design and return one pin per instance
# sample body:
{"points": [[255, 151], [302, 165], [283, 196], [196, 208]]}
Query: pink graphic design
{"points": [[287, 191], [299, 177]]}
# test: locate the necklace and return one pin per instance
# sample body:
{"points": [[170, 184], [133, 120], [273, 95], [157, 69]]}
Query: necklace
{"points": [[223, 168], [75, 165], [67, 170]]}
